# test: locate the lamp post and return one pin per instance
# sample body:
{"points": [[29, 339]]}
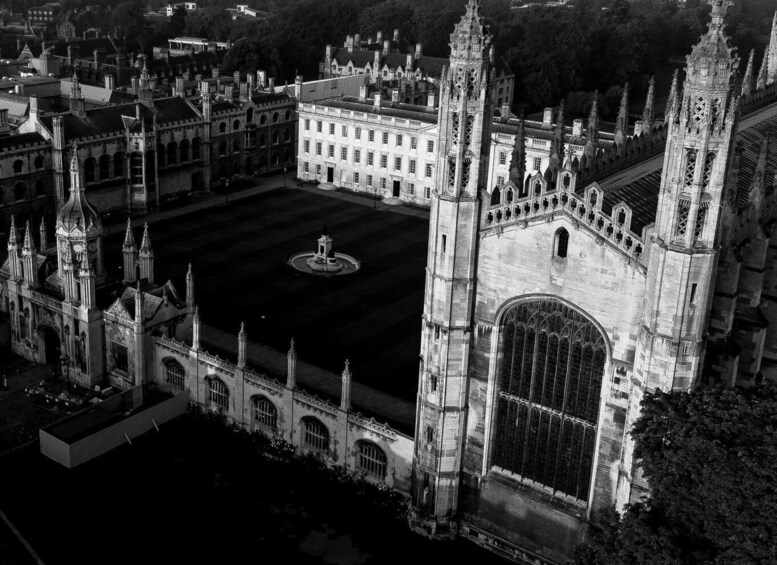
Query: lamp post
{"points": [[227, 191], [284, 177], [375, 200]]}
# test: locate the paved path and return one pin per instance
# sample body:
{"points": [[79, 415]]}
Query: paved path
{"points": [[655, 163], [382, 406]]}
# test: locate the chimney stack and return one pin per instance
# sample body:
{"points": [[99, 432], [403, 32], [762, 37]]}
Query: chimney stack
{"points": [[577, 128], [547, 116], [386, 47], [378, 99], [109, 81]]}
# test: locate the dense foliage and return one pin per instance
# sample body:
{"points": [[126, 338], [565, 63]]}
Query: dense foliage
{"points": [[710, 457], [554, 52]]}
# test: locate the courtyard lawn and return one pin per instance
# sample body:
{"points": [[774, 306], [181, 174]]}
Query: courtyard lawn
{"points": [[239, 255], [198, 493]]}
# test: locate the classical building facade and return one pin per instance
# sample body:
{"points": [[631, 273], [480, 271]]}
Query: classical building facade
{"points": [[553, 303]]}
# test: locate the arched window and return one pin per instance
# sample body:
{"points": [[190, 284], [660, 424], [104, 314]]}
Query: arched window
{"points": [[172, 153], [235, 146], [286, 135], [222, 127], [250, 115], [136, 167], [105, 167], [118, 165], [175, 376], [38, 162], [496, 196], [371, 459], [561, 243], [183, 149], [265, 413], [288, 115], [18, 165], [40, 187], [275, 117], [275, 138], [19, 191], [315, 436], [263, 119], [547, 405], [223, 148], [89, 169], [236, 125], [218, 393], [262, 140], [195, 148]]}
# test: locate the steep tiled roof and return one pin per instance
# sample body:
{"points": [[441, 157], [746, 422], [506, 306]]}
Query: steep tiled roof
{"points": [[268, 97], [14, 103], [101, 121]]}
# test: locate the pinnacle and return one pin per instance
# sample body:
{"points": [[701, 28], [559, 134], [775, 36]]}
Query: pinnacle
{"points": [[145, 245], [129, 238], [12, 232], [28, 237]]}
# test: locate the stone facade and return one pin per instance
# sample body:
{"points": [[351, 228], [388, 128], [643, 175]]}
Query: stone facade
{"points": [[554, 304]]}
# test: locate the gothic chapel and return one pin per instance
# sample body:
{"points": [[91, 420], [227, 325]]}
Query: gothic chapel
{"points": [[549, 313]]}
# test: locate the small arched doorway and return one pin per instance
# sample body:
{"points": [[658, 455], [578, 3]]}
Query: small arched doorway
{"points": [[52, 347]]}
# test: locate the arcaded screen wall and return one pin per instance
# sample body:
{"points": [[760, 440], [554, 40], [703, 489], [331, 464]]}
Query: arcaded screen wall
{"points": [[550, 378]]}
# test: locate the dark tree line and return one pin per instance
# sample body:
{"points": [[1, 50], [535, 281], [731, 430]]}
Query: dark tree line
{"points": [[710, 457]]}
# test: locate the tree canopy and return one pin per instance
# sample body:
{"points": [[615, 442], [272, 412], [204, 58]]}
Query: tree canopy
{"points": [[710, 457]]}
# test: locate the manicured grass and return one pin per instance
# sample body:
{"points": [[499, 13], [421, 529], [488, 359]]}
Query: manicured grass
{"points": [[198, 493], [239, 255]]}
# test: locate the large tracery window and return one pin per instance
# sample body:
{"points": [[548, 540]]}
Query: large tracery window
{"points": [[548, 401]]}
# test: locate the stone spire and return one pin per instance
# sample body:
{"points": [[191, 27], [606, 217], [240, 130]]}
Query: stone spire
{"points": [[345, 392], [671, 102], [29, 259], [291, 366], [13, 251], [129, 254], [771, 74], [622, 122], [764, 72], [241, 346], [518, 160], [747, 80], [647, 113], [146, 257]]}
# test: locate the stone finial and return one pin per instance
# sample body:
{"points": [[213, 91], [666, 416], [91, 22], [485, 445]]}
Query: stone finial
{"points": [[28, 244], [763, 74], [241, 346], [196, 328], [345, 393], [12, 232], [189, 286], [129, 237], [671, 103], [291, 366], [647, 113], [747, 80], [145, 245], [622, 122]]}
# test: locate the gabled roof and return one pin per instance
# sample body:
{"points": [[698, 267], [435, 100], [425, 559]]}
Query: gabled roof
{"points": [[15, 104]]}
